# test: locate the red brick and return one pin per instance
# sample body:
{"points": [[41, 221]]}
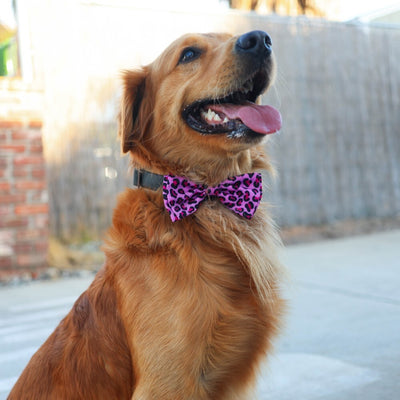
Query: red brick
{"points": [[11, 123], [21, 171], [30, 209], [12, 148], [19, 135], [36, 149], [31, 260], [24, 248], [31, 234], [13, 222], [35, 123], [6, 262], [4, 187], [24, 160], [39, 173], [13, 198], [31, 135], [5, 210], [29, 185]]}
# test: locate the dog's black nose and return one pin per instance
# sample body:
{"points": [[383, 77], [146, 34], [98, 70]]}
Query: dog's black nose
{"points": [[257, 43]]}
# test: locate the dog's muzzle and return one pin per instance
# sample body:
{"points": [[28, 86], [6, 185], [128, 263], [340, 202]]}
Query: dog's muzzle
{"points": [[236, 113]]}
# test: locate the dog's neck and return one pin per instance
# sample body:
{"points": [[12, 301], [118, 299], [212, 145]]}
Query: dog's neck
{"points": [[210, 174]]}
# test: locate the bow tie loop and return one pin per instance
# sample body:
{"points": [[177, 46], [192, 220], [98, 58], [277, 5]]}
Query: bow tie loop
{"points": [[242, 194]]}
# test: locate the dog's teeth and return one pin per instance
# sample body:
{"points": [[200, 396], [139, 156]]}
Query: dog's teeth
{"points": [[206, 115], [225, 120], [210, 115]]}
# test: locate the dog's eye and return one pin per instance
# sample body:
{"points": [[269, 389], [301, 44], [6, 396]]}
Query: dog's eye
{"points": [[189, 54]]}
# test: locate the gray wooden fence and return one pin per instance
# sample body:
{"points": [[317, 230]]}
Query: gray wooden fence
{"points": [[338, 155]]}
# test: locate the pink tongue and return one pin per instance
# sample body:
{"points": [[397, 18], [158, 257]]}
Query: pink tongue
{"points": [[260, 119]]}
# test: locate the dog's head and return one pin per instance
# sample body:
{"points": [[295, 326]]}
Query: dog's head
{"points": [[194, 107]]}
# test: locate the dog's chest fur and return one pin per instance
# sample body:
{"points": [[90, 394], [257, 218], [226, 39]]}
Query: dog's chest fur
{"points": [[191, 291]]}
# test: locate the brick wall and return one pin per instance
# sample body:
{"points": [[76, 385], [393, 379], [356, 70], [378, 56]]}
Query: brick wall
{"points": [[23, 190]]}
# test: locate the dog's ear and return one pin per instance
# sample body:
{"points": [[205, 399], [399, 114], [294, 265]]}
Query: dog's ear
{"points": [[131, 124]]}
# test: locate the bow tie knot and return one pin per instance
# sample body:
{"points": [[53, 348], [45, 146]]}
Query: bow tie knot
{"points": [[242, 194]]}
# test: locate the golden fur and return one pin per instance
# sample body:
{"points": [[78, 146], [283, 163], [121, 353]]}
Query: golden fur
{"points": [[183, 310]]}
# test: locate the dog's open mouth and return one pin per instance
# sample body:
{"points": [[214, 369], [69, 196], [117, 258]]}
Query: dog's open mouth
{"points": [[236, 113]]}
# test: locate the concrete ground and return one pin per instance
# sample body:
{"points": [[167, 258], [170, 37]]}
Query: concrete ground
{"points": [[342, 335]]}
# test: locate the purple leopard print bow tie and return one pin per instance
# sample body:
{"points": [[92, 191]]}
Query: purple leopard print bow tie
{"points": [[242, 194]]}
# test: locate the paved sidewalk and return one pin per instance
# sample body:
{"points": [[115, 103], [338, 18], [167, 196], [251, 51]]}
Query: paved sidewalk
{"points": [[342, 335]]}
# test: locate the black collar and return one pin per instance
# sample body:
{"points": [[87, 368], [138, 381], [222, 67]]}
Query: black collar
{"points": [[146, 179]]}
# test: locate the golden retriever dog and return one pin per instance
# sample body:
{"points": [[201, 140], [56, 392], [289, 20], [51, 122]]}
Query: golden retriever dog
{"points": [[187, 303]]}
